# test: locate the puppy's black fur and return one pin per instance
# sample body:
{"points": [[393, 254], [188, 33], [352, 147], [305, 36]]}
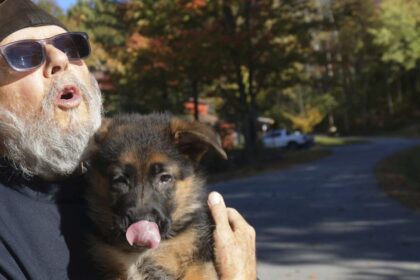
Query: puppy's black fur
{"points": [[144, 168]]}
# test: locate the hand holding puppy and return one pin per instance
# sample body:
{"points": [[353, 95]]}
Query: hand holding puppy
{"points": [[234, 242]]}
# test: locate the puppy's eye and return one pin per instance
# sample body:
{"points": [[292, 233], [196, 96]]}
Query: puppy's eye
{"points": [[119, 179], [164, 181], [120, 183], [165, 178]]}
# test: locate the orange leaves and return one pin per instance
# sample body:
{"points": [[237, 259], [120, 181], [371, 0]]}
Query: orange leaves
{"points": [[137, 41], [156, 49], [196, 5]]}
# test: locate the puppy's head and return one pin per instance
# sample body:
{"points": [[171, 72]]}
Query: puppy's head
{"points": [[143, 181]]}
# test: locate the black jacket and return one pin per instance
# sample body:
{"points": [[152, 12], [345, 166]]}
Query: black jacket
{"points": [[42, 228]]}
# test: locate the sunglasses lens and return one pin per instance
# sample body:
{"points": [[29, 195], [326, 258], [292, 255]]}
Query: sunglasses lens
{"points": [[24, 55], [74, 45]]}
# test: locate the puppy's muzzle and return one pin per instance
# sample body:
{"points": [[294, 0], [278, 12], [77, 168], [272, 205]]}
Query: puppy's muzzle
{"points": [[152, 215]]}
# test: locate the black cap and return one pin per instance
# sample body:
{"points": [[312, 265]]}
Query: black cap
{"points": [[19, 14]]}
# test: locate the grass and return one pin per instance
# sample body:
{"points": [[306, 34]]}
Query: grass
{"points": [[337, 141], [409, 131], [399, 177]]}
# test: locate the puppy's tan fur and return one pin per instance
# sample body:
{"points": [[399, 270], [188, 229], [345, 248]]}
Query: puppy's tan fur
{"points": [[144, 144]]}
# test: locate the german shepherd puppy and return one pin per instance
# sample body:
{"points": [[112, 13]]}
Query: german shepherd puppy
{"points": [[146, 200]]}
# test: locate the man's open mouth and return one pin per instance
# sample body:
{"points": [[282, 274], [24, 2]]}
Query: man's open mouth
{"points": [[68, 98]]}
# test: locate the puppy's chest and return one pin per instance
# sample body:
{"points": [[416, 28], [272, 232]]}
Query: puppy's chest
{"points": [[168, 262], [135, 266]]}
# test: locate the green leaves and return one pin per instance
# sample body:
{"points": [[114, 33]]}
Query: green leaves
{"points": [[398, 32]]}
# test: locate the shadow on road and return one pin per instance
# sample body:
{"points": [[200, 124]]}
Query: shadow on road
{"points": [[330, 213]]}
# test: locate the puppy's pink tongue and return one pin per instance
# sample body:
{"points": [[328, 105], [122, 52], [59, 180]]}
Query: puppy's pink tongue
{"points": [[143, 233]]}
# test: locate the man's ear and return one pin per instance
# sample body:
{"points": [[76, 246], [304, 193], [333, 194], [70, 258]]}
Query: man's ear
{"points": [[193, 139]]}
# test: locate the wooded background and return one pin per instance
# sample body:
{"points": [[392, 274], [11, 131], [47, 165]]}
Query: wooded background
{"points": [[306, 64]]}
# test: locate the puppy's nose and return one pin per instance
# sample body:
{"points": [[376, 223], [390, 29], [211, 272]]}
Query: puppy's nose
{"points": [[134, 215]]}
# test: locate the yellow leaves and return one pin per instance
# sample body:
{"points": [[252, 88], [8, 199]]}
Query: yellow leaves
{"points": [[285, 40], [305, 122], [269, 24], [143, 23]]}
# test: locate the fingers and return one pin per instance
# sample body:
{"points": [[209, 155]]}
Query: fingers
{"points": [[235, 219], [218, 210], [227, 219], [234, 241], [239, 224]]}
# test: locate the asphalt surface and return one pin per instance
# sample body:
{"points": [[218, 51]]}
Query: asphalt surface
{"points": [[329, 220]]}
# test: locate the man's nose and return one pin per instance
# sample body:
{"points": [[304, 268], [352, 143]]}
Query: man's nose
{"points": [[56, 61]]}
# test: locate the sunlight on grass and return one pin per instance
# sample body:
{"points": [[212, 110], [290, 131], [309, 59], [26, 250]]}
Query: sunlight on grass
{"points": [[409, 131], [337, 141]]}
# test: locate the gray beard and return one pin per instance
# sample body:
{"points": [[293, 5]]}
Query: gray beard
{"points": [[39, 147]]}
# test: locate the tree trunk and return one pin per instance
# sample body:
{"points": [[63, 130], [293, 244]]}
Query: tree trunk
{"points": [[253, 114], [301, 102], [194, 89], [347, 105], [399, 89], [390, 102], [165, 98], [246, 111]]}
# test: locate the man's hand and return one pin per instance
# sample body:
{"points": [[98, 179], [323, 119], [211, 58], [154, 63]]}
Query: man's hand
{"points": [[234, 242]]}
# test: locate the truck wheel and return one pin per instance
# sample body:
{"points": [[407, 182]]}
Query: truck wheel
{"points": [[292, 146]]}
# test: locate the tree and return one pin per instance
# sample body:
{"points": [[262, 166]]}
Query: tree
{"points": [[265, 41], [398, 32], [51, 7], [397, 36], [171, 49], [295, 61]]}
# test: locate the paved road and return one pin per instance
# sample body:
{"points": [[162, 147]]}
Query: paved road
{"points": [[328, 219]]}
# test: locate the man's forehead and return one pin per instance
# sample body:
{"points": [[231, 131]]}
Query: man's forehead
{"points": [[39, 32]]}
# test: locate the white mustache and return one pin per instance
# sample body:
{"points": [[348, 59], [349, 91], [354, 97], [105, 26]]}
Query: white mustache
{"points": [[39, 146]]}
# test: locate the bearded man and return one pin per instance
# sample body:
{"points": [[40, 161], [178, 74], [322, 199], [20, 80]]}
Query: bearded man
{"points": [[50, 106]]}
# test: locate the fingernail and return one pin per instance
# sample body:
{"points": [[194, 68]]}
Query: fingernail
{"points": [[214, 198]]}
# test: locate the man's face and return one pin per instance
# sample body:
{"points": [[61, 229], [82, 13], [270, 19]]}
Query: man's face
{"points": [[56, 105]]}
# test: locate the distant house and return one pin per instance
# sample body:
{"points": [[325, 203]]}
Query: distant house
{"points": [[226, 130], [104, 80], [203, 112]]}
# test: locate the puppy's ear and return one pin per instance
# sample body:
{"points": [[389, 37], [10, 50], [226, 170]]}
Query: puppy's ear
{"points": [[193, 139], [102, 132], [96, 141]]}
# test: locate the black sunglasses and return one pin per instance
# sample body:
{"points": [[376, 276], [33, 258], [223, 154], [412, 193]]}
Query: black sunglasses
{"points": [[26, 55]]}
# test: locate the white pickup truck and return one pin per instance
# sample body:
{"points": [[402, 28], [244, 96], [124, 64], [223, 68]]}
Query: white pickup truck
{"points": [[282, 138]]}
